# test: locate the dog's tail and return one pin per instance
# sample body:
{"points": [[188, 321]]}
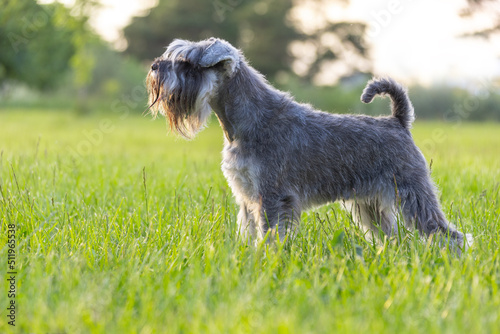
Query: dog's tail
{"points": [[402, 108]]}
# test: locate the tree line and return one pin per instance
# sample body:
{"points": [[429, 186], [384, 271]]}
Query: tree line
{"points": [[51, 46]]}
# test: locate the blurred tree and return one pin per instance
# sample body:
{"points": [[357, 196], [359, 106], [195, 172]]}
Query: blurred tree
{"points": [[82, 62], [148, 35], [114, 75], [264, 33], [265, 30], [36, 42], [490, 7]]}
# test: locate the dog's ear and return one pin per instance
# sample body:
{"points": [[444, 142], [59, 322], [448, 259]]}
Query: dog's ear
{"points": [[220, 52]]}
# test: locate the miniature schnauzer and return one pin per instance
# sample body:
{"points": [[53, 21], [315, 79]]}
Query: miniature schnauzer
{"points": [[282, 157]]}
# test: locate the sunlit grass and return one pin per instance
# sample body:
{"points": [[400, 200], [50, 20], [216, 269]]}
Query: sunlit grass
{"points": [[123, 229]]}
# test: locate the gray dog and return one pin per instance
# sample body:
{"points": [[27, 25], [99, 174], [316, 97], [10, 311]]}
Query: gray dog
{"points": [[281, 157]]}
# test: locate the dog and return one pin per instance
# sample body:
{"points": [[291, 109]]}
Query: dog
{"points": [[282, 157]]}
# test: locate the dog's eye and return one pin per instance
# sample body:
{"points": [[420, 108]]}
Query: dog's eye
{"points": [[154, 67], [219, 65]]}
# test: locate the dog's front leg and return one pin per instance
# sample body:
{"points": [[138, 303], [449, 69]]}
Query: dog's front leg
{"points": [[279, 216]]}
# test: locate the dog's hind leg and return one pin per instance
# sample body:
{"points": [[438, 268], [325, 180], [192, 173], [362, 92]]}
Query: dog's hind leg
{"points": [[421, 209]]}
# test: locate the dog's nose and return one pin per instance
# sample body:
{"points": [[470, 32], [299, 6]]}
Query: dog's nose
{"points": [[154, 67]]}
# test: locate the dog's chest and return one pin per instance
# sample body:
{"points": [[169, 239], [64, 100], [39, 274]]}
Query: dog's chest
{"points": [[241, 172]]}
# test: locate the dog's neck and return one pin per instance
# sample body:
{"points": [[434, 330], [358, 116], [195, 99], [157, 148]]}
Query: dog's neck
{"points": [[218, 106], [238, 104]]}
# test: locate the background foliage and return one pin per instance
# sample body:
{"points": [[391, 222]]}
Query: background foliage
{"points": [[37, 42], [263, 29], [50, 56]]}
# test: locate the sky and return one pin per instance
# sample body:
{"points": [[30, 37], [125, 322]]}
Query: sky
{"points": [[420, 41], [410, 40]]}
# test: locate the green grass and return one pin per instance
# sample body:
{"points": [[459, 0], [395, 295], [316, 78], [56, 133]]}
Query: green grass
{"points": [[136, 234]]}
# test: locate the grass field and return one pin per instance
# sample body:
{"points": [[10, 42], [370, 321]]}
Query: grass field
{"points": [[121, 228]]}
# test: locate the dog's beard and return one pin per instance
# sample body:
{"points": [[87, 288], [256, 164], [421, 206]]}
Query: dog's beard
{"points": [[181, 93]]}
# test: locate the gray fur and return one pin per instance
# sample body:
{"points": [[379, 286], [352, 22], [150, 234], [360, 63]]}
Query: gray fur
{"points": [[282, 157]]}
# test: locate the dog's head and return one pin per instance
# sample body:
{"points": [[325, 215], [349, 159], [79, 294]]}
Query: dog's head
{"points": [[185, 78]]}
